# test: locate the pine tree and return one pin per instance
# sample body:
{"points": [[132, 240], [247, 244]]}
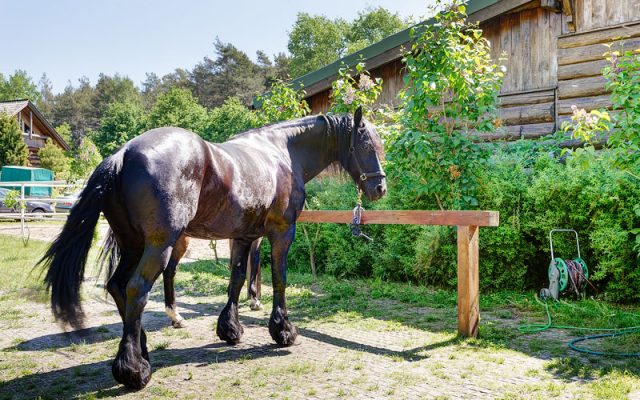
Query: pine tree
{"points": [[13, 150]]}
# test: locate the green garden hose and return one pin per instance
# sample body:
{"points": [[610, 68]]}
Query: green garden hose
{"points": [[533, 328]]}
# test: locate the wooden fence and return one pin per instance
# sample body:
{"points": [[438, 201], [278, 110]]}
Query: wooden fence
{"points": [[468, 223]]}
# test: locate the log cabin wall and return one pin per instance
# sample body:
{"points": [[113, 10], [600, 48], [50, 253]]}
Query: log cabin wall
{"points": [[549, 68], [581, 59]]}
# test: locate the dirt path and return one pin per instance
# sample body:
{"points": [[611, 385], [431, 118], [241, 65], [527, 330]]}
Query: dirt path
{"points": [[382, 349]]}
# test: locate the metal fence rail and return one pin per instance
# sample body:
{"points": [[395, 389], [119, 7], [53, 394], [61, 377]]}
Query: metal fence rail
{"points": [[22, 199]]}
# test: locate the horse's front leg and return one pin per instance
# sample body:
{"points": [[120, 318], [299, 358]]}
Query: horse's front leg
{"points": [[281, 330], [229, 328], [254, 275]]}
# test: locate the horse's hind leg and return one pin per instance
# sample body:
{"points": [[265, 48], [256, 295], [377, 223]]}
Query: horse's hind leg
{"points": [[229, 328], [168, 276], [130, 367], [253, 288]]}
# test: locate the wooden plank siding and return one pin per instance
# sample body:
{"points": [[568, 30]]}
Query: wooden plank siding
{"points": [[548, 68]]}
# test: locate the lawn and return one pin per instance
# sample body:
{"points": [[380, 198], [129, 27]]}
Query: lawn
{"points": [[358, 339]]}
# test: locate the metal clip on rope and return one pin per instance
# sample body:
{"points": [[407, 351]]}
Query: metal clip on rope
{"points": [[355, 224]]}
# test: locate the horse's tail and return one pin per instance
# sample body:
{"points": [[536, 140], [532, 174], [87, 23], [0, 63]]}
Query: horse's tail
{"points": [[66, 257], [109, 255]]}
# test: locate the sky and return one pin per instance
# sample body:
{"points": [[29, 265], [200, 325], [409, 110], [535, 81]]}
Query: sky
{"points": [[68, 39]]}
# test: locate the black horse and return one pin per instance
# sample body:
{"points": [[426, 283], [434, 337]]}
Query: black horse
{"points": [[169, 183]]}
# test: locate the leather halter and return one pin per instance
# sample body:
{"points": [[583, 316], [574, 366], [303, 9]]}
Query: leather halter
{"points": [[352, 149]]}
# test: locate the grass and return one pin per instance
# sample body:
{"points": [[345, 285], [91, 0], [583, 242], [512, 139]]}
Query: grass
{"points": [[420, 321]]}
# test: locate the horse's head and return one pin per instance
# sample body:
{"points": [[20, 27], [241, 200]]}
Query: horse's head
{"points": [[363, 159]]}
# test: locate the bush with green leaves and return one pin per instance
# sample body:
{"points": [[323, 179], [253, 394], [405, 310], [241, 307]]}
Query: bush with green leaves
{"points": [[54, 158], [354, 88], [282, 102], [120, 123], [451, 88], [230, 118], [177, 107]]}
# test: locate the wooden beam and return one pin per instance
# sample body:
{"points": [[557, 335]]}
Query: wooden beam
{"points": [[581, 70], [595, 51], [551, 5], [583, 87], [600, 35], [468, 281], [404, 217], [588, 103], [496, 9]]}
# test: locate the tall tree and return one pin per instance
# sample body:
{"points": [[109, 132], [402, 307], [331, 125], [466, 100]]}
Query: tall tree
{"points": [[230, 118], [120, 123], [47, 98], [371, 26], [315, 41], [231, 74], [112, 89], [74, 106], [13, 151], [19, 85], [178, 108]]}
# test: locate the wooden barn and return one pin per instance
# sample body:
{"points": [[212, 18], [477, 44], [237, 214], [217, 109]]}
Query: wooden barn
{"points": [[36, 130], [554, 52]]}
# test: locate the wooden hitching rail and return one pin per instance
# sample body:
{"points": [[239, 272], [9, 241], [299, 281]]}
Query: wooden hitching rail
{"points": [[468, 223]]}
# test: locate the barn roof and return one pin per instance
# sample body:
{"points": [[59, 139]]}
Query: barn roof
{"points": [[388, 49], [13, 107]]}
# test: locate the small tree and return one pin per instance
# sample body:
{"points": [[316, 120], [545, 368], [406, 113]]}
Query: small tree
{"points": [[52, 157], [13, 150], [85, 157], [451, 88]]}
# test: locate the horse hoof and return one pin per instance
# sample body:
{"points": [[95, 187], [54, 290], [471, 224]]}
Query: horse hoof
{"points": [[228, 328], [133, 374], [255, 305], [283, 332], [179, 324]]}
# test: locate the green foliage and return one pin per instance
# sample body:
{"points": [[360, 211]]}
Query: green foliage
{"points": [[230, 118], [179, 108], [53, 157], [12, 200], [623, 80], [371, 26], [13, 150], [19, 85], [315, 40], [120, 123], [64, 131], [231, 74], [451, 87], [281, 103], [589, 127], [347, 93], [85, 157], [109, 90]]}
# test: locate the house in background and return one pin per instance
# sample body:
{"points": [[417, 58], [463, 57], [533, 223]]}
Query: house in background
{"points": [[554, 51], [36, 130]]}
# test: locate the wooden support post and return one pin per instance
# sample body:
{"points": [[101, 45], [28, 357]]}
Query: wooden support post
{"points": [[468, 281]]}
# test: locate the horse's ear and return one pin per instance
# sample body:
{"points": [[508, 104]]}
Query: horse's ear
{"points": [[357, 117]]}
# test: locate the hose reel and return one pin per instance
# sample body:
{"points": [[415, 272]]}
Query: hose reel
{"points": [[565, 275]]}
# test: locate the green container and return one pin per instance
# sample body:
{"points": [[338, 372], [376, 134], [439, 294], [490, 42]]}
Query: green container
{"points": [[27, 174]]}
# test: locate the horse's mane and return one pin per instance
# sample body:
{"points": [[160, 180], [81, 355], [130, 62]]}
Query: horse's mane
{"points": [[337, 124]]}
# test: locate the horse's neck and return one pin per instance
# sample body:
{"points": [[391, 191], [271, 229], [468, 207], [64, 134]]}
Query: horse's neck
{"points": [[317, 148]]}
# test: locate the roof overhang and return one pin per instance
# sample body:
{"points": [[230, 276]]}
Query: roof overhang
{"points": [[392, 47]]}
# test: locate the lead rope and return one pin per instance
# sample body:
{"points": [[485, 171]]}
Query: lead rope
{"points": [[357, 219]]}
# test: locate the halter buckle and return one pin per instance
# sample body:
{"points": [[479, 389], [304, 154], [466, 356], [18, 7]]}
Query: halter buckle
{"points": [[363, 177]]}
